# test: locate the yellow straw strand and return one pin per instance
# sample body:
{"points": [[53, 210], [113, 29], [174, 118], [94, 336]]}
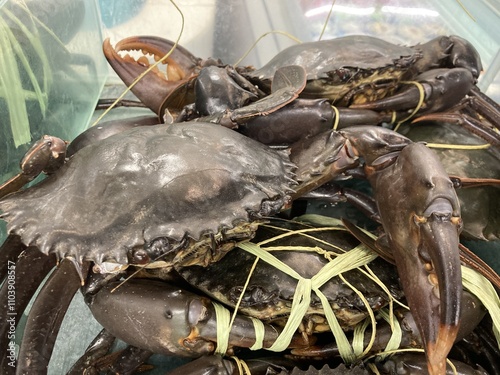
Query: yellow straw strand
{"points": [[223, 318], [421, 91], [337, 118], [466, 11], [483, 146], [326, 21], [263, 36]]}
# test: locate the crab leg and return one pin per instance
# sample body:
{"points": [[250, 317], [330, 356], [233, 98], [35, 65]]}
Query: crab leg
{"points": [[466, 115], [288, 82], [155, 87], [46, 155], [217, 365], [175, 322], [46, 317], [304, 118], [9, 251], [30, 270], [485, 106], [321, 158], [130, 360], [97, 349], [333, 193]]}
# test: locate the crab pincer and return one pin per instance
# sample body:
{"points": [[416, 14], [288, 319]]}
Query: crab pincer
{"points": [[155, 86], [420, 213]]}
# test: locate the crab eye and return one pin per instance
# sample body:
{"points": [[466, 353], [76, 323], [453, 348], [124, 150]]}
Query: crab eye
{"points": [[157, 247], [154, 250], [140, 256], [197, 312], [344, 74]]}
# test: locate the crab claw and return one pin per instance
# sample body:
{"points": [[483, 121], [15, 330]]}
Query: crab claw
{"points": [[449, 52], [422, 221], [156, 86], [420, 213], [437, 90]]}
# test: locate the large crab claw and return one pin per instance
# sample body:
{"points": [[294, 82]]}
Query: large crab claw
{"points": [[176, 321], [155, 86], [432, 91], [448, 52], [420, 214]]}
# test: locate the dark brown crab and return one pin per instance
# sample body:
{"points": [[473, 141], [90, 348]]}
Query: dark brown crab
{"points": [[268, 297], [358, 68], [350, 70], [148, 194], [303, 157]]}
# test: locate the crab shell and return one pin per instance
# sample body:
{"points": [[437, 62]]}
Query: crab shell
{"points": [[269, 293], [171, 182], [337, 66]]}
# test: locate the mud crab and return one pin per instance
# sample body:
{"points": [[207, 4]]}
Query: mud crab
{"points": [[348, 71], [255, 181], [339, 86]]}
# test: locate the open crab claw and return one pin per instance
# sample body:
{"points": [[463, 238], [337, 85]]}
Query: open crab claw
{"points": [[155, 86], [432, 91]]}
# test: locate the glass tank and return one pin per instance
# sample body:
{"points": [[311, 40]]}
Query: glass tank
{"points": [[51, 73]]}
